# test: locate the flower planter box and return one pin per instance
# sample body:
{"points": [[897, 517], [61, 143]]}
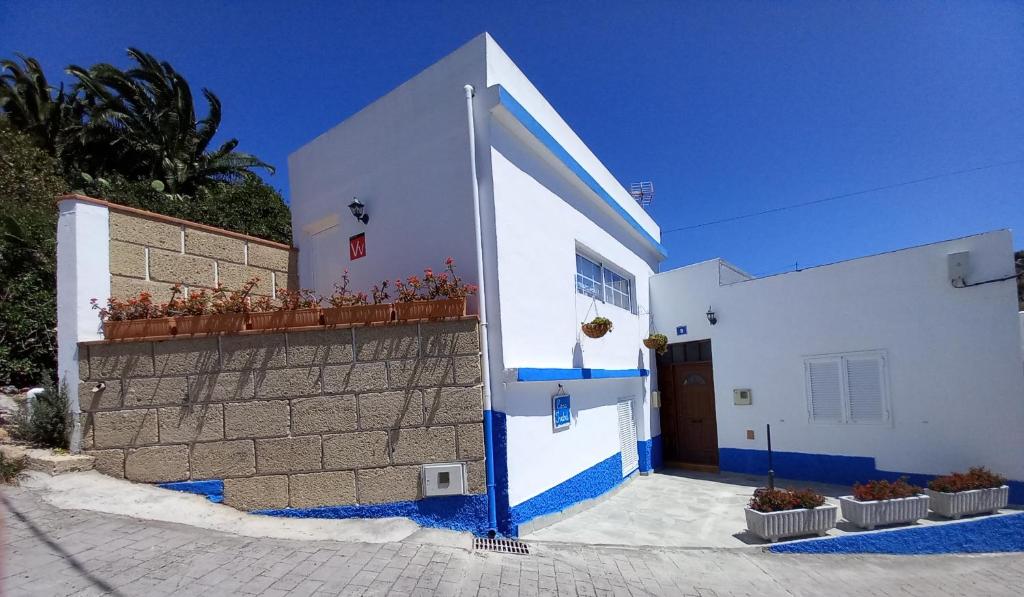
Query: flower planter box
{"points": [[364, 314], [868, 515], [275, 320], [975, 501], [773, 526], [137, 328], [210, 324], [430, 309]]}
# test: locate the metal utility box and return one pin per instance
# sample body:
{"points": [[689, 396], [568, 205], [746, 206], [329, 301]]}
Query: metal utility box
{"points": [[742, 396], [444, 479]]}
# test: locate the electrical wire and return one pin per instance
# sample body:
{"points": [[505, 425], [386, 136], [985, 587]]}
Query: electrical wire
{"points": [[837, 197]]}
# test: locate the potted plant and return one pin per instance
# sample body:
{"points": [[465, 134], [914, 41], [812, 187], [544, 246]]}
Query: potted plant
{"points": [[976, 491], [773, 514], [354, 307], [136, 317], [883, 502], [293, 308], [436, 296], [597, 327], [657, 343], [202, 312]]}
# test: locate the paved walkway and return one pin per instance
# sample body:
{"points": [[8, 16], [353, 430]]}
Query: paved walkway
{"points": [[682, 509], [53, 552]]}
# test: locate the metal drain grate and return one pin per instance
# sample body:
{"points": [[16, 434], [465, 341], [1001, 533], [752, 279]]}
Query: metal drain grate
{"points": [[501, 545]]}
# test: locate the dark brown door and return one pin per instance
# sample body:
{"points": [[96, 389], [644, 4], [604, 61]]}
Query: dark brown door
{"points": [[689, 430]]}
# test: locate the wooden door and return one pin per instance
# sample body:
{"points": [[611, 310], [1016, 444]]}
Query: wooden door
{"points": [[688, 426]]}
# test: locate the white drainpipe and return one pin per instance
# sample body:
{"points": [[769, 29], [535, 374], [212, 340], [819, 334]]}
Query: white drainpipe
{"points": [[485, 364]]}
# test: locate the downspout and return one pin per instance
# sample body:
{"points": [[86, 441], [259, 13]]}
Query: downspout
{"points": [[485, 360]]}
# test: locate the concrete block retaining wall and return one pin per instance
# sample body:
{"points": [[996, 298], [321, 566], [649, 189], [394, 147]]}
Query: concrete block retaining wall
{"points": [[151, 252], [301, 419]]}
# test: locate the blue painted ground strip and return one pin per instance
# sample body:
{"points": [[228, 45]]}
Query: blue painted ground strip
{"points": [[825, 468], [458, 512], [213, 489], [542, 374], [986, 535], [537, 130]]}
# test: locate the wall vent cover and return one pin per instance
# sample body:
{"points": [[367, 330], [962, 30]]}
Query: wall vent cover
{"points": [[501, 545]]}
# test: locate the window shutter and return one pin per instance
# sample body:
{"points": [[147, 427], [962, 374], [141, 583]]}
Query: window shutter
{"points": [[865, 389], [825, 385]]}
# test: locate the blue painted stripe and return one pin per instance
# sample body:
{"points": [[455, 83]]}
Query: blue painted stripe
{"points": [[826, 468], [589, 484], [492, 496], [651, 455], [537, 130], [541, 374], [457, 512], [985, 535], [499, 429], [213, 489]]}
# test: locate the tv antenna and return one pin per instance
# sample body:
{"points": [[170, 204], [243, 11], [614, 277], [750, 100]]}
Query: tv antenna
{"points": [[643, 192]]}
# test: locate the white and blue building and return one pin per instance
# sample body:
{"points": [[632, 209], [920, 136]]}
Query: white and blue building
{"points": [[467, 159]]}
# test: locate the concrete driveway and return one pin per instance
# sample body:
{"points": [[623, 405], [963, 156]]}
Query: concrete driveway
{"points": [[680, 509]]}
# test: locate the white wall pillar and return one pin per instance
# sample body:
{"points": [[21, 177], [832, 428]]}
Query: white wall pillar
{"points": [[83, 273]]}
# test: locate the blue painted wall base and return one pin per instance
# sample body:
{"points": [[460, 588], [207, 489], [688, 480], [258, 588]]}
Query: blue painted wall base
{"points": [[825, 468], [586, 485], [985, 535], [650, 452], [213, 489], [457, 512]]}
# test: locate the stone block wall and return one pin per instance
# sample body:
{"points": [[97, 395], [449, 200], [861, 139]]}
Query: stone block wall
{"points": [[151, 252], [293, 419]]}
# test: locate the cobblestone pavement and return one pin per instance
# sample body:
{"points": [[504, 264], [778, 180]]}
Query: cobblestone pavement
{"points": [[48, 551]]}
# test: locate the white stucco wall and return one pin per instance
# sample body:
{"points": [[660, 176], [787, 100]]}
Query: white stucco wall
{"points": [[954, 355], [83, 273], [406, 156]]}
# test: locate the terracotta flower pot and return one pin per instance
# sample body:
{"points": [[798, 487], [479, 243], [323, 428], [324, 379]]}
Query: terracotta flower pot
{"points": [[364, 314], [275, 320], [210, 324], [438, 309], [595, 330], [137, 328]]}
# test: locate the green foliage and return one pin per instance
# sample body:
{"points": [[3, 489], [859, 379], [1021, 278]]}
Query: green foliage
{"points": [[10, 469], [29, 182], [49, 424]]}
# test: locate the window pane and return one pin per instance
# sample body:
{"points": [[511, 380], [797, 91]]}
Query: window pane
{"points": [[588, 278], [616, 290]]}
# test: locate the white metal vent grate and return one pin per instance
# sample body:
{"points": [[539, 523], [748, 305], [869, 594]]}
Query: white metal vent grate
{"points": [[627, 437], [501, 545]]}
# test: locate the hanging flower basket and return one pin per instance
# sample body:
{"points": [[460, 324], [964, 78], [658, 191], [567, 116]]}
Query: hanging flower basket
{"points": [[435, 309], [217, 323], [597, 327], [289, 318], [137, 328], [351, 314], [657, 342]]}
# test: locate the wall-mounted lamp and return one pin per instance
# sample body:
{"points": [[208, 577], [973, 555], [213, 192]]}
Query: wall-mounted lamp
{"points": [[358, 210], [712, 319]]}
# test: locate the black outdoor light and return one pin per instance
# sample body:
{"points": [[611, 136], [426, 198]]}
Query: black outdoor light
{"points": [[358, 210], [711, 316]]}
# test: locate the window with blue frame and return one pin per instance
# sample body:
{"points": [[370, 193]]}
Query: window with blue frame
{"points": [[596, 280]]}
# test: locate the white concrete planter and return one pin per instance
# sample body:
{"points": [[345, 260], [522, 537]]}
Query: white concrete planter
{"points": [[975, 501], [791, 523], [868, 515]]}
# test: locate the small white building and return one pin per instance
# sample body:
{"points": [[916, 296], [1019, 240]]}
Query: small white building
{"points": [[876, 366]]}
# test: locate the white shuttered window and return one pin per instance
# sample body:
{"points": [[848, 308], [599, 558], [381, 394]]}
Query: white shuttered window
{"points": [[847, 388]]}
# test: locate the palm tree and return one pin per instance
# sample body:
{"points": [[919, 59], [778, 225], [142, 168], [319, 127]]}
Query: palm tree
{"points": [[142, 124], [29, 103]]}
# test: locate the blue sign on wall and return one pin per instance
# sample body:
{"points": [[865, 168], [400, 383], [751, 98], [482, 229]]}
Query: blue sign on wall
{"points": [[680, 330], [561, 414]]}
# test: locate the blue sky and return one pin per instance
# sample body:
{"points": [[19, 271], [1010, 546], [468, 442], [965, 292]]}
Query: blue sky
{"points": [[729, 107]]}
